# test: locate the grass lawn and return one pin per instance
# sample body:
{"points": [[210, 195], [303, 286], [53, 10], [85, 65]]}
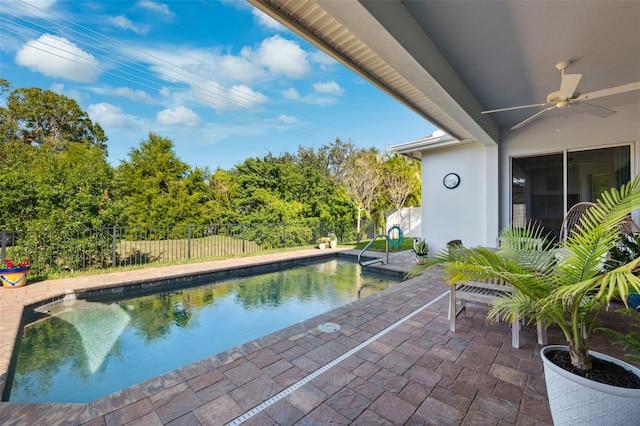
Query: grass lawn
{"points": [[380, 244]]}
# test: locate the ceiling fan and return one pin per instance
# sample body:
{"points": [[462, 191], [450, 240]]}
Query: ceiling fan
{"points": [[569, 95]]}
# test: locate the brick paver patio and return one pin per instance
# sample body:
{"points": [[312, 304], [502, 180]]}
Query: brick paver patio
{"points": [[416, 372]]}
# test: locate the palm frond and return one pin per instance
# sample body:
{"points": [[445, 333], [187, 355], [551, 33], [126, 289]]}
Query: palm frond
{"points": [[567, 286]]}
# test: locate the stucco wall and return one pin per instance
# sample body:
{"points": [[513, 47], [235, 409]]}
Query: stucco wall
{"points": [[468, 212], [571, 131]]}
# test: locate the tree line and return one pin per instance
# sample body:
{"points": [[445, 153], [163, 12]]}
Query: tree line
{"points": [[54, 173]]}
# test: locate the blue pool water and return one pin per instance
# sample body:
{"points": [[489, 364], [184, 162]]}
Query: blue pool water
{"points": [[81, 350]]}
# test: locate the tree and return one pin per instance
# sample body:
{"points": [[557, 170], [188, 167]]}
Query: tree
{"points": [[223, 189], [43, 188], [361, 180], [337, 156], [36, 116], [159, 189], [270, 189], [52, 163], [401, 179], [4, 85]]}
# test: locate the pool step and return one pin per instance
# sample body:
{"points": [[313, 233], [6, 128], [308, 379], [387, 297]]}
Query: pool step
{"points": [[371, 262]]}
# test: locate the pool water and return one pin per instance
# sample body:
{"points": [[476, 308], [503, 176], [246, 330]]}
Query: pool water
{"points": [[81, 350]]}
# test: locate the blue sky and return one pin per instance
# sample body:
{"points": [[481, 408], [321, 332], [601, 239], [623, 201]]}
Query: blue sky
{"points": [[219, 78]]}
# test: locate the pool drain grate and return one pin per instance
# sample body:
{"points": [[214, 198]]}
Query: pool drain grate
{"points": [[257, 409], [328, 327]]}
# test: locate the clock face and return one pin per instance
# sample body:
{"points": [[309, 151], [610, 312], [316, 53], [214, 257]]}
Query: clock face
{"points": [[451, 180]]}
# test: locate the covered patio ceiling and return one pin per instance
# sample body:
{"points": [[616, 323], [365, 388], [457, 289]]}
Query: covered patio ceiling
{"points": [[450, 60]]}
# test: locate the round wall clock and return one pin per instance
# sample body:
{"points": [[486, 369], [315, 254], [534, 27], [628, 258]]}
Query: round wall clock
{"points": [[451, 180]]}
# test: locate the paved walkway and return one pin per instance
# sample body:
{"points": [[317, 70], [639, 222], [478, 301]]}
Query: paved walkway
{"points": [[393, 362]]}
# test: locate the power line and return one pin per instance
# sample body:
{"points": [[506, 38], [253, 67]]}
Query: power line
{"points": [[210, 96], [108, 55]]}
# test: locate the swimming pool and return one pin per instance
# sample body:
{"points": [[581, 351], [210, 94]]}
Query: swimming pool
{"points": [[81, 350]]}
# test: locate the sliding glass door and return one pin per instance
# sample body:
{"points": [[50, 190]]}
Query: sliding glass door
{"points": [[538, 190]]}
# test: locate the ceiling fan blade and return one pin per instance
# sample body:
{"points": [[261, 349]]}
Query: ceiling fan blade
{"points": [[533, 117], [512, 108], [568, 85], [610, 91], [596, 110]]}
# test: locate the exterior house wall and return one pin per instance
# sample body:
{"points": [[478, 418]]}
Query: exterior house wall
{"points": [[468, 212], [570, 131]]}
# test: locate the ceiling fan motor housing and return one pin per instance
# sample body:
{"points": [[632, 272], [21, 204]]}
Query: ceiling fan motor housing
{"points": [[554, 98]]}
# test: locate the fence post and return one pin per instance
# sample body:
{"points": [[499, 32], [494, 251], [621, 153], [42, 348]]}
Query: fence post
{"points": [[3, 243], [114, 258], [243, 237], [189, 241]]}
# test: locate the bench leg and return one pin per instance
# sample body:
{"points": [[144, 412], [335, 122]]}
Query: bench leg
{"points": [[515, 333], [452, 309]]}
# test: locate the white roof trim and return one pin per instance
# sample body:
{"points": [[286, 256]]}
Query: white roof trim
{"points": [[437, 140]]}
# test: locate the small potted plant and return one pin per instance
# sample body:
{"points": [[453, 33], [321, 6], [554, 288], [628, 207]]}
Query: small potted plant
{"points": [[14, 274], [333, 240], [322, 242], [421, 249]]}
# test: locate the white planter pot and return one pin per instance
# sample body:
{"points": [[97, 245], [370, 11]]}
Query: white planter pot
{"points": [[575, 400], [322, 246]]}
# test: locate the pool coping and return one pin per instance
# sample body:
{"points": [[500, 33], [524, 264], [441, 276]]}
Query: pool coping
{"points": [[41, 293]]}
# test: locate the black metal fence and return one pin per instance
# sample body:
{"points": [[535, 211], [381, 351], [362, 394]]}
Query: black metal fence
{"points": [[99, 248]]}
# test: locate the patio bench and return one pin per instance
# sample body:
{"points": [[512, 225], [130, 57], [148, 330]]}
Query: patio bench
{"points": [[487, 293]]}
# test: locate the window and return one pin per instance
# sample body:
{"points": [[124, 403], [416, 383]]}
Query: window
{"points": [[537, 183]]}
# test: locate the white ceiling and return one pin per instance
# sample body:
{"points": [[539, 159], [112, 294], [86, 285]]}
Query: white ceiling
{"points": [[506, 52], [450, 60]]}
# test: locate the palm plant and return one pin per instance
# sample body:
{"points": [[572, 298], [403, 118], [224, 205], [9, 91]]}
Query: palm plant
{"points": [[565, 285]]}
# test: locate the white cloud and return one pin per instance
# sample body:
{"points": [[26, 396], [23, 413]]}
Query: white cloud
{"points": [[266, 21], [123, 22], [74, 94], [219, 97], [109, 115], [291, 93], [322, 59], [329, 87], [287, 119], [273, 58], [56, 56], [20, 7], [124, 92], [134, 95], [280, 56], [238, 68], [159, 8], [245, 97], [57, 87], [178, 116]]}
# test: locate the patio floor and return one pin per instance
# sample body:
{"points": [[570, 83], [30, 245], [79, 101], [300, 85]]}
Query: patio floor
{"points": [[393, 362]]}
